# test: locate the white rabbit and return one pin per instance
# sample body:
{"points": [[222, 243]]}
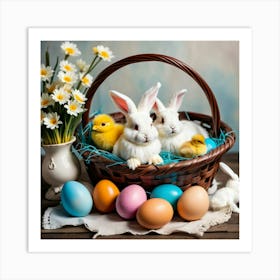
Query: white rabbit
{"points": [[228, 195], [139, 143], [172, 131]]}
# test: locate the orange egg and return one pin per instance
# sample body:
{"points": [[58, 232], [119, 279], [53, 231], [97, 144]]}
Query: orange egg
{"points": [[193, 204], [104, 196], [154, 213]]}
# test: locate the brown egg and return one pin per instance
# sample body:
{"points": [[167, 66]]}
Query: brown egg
{"points": [[193, 204], [154, 213]]}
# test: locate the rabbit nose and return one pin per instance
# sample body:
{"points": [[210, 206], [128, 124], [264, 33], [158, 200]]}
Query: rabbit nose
{"points": [[146, 138], [172, 128]]}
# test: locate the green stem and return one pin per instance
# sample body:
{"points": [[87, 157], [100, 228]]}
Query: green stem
{"points": [[91, 67]]}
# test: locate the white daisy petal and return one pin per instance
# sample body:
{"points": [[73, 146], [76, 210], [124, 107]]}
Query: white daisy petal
{"points": [[67, 66], [79, 97], [103, 52], [82, 65], [67, 77], [86, 80], [46, 73], [61, 96], [70, 49], [74, 108], [52, 120], [46, 100]]}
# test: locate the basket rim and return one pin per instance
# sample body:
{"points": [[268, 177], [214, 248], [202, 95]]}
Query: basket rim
{"points": [[197, 161]]}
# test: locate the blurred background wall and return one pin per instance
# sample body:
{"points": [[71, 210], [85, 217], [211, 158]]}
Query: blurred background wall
{"points": [[216, 61]]}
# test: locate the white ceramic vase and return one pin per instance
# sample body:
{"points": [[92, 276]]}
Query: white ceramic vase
{"points": [[59, 165]]}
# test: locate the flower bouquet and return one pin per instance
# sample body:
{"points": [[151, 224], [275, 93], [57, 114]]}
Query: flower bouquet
{"points": [[63, 92], [63, 95]]}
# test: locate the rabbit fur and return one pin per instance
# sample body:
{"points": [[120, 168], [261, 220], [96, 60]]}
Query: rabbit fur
{"points": [[139, 143], [227, 196], [172, 131]]}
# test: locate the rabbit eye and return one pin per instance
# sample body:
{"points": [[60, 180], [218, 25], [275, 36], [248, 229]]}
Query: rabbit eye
{"points": [[162, 120], [136, 127]]}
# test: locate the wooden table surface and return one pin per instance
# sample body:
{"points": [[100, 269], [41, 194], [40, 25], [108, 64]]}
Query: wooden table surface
{"points": [[229, 230]]}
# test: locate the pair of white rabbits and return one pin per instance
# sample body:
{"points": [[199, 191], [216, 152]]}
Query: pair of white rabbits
{"points": [[143, 139]]}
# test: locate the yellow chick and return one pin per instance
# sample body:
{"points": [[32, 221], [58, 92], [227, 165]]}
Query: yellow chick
{"points": [[195, 147], [105, 132]]}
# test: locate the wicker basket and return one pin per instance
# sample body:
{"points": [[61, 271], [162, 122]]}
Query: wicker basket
{"points": [[197, 171]]}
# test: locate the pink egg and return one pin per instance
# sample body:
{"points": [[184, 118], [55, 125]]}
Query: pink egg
{"points": [[129, 200]]}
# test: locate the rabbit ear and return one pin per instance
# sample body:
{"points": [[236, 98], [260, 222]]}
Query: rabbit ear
{"points": [[123, 102], [158, 106], [177, 99], [148, 99]]}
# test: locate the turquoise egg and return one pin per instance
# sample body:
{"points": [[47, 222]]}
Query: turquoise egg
{"points": [[210, 144], [76, 199], [169, 192]]}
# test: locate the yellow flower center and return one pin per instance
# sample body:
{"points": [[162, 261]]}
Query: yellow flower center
{"points": [[44, 72], [60, 96], [67, 67], [104, 54], [45, 102], [53, 121], [73, 107], [78, 98], [51, 88], [85, 80], [70, 51], [67, 79]]}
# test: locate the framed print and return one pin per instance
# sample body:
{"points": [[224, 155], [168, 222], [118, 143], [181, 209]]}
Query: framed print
{"points": [[234, 48], [112, 69]]}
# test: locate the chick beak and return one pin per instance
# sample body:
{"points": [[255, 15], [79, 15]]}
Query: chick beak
{"points": [[95, 128]]}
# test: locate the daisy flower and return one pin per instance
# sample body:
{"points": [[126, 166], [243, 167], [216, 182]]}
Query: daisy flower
{"points": [[78, 96], [46, 72], [46, 100], [67, 88], [68, 77], [74, 108], [61, 96], [82, 65], [86, 80], [52, 120], [67, 66], [70, 49], [103, 52], [43, 115], [51, 87]]}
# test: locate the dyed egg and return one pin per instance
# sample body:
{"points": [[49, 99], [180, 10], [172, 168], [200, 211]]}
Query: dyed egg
{"points": [[76, 199], [169, 192], [154, 213], [193, 204], [104, 196], [210, 144], [129, 200]]}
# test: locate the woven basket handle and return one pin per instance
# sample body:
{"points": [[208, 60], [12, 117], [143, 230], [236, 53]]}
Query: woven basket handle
{"points": [[161, 58]]}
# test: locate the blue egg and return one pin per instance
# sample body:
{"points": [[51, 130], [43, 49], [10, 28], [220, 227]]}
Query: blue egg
{"points": [[76, 199], [169, 192], [210, 144]]}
